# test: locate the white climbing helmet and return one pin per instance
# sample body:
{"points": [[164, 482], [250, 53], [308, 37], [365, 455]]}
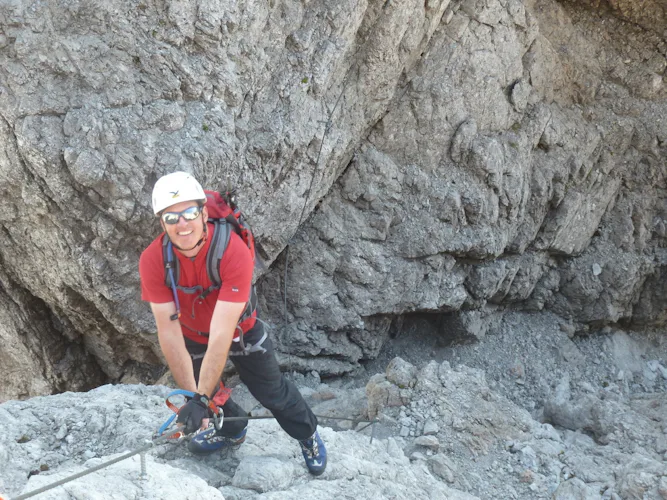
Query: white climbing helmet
{"points": [[174, 188]]}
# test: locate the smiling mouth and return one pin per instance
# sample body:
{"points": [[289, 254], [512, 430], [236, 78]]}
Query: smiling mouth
{"points": [[184, 233]]}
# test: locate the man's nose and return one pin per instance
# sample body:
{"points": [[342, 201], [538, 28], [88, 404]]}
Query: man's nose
{"points": [[181, 221]]}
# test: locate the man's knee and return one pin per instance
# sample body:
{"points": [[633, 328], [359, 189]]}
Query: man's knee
{"points": [[282, 398]]}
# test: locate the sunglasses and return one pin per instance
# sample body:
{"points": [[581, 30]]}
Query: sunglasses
{"points": [[188, 214]]}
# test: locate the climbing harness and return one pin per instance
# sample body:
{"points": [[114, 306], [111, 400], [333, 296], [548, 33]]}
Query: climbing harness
{"points": [[246, 348], [249, 348]]}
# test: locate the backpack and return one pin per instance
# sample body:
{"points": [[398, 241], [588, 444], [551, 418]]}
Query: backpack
{"points": [[226, 217]]}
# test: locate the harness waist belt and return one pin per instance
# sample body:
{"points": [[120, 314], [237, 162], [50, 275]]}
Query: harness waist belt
{"points": [[245, 349]]}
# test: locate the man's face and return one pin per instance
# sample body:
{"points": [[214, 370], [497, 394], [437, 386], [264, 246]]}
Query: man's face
{"points": [[185, 233]]}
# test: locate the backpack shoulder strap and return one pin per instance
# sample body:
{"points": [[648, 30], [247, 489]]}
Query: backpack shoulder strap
{"points": [[170, 263], [216, 250]]}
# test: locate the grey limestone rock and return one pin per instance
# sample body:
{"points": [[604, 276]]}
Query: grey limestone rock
{"points": [[456, 172], [626, 352], [442, 467], [608, 419], [430, 442], [575, 489], [430, 428], [641, 477], [487, 445], [382, 393], [263, 474], [427, 378], [401, 373], [415, 157], [268, 465]]}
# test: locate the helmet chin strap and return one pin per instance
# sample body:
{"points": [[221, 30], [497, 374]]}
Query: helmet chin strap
{"points": [[201, 240]]}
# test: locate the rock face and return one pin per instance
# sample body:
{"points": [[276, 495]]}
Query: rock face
{"points": [[33, 359], [476, 440], [97, 426], [507, 172], [451, 435], [651, 15], [442, 158]]}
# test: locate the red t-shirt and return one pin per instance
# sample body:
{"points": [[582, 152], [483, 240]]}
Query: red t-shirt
{"points": [[236, 268]]}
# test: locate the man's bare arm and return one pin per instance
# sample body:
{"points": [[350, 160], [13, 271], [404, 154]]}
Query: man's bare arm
{"points": [[173, 346], [223, 324]]}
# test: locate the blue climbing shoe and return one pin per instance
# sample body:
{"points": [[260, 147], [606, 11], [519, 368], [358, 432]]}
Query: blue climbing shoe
{"points": [[314, 453], [209, 441]]}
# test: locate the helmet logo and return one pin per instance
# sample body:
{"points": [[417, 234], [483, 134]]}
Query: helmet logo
{"points": [[174, 194]]}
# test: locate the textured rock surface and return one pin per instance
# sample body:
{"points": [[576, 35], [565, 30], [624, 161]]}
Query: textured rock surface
{"points": [[123, 480], [458, 433], [507, 172], [452, 157], [651, 14], [104, 422], [34, 361]]}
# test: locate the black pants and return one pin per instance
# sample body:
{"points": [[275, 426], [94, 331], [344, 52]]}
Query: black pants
{"points": [[260, 372]]}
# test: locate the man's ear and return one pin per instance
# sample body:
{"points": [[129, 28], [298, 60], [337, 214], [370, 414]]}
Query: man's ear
{"points": [[162, 225], [205, 214]]}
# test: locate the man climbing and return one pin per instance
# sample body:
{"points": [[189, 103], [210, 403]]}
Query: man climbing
{"points": [[217, 322]]}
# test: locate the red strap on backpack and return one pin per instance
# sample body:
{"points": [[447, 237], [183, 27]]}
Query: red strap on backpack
{"points": [[216, 205], [221, 206]]}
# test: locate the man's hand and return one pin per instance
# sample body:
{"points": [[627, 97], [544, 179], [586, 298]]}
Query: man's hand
{"points": [[192, 413], [223, 325]]}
